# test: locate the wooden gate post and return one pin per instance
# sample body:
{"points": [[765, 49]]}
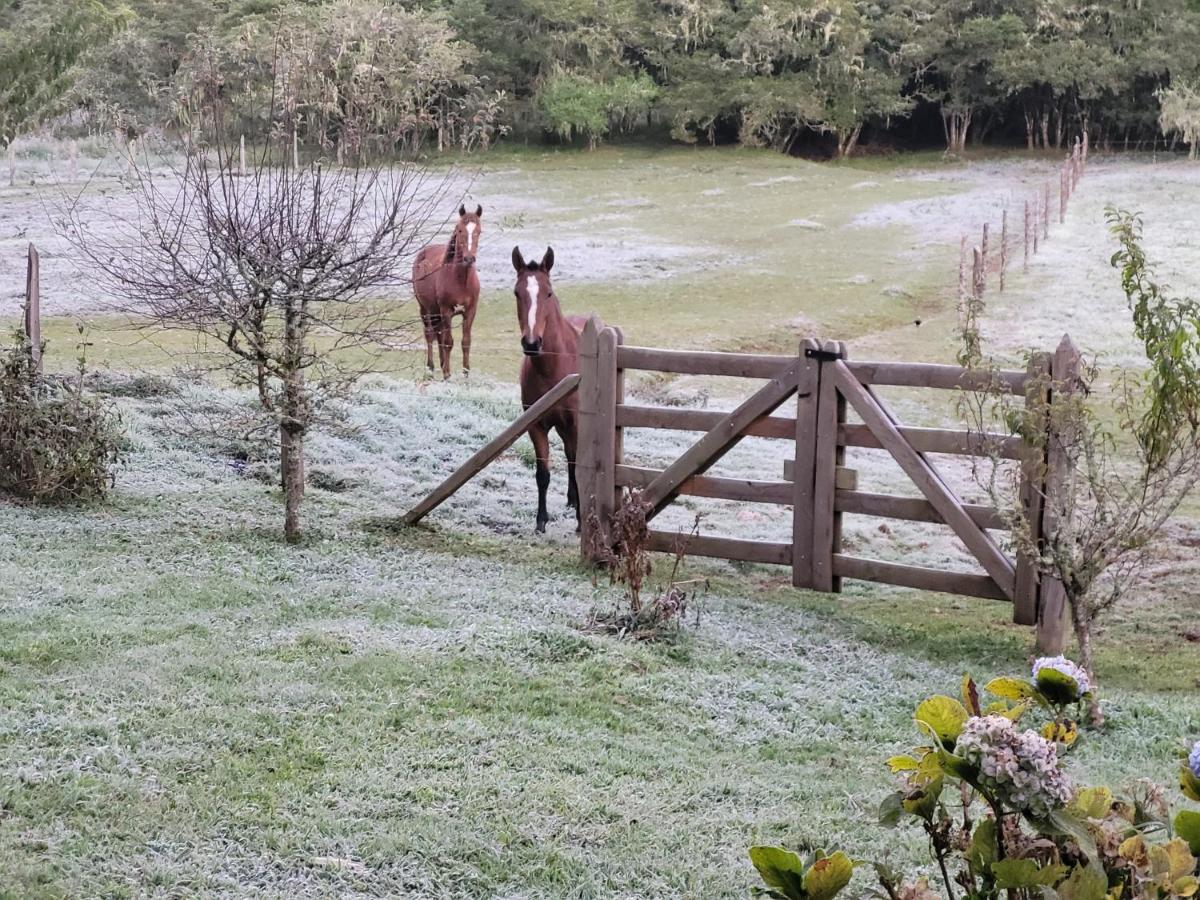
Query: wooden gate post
{"points": [[596, 455], [33, 309], [1054, 613], [804, 466], [829, 455], [1033, 486]]}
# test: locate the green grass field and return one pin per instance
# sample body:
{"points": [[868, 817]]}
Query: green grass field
{"points": [[189, 707]]}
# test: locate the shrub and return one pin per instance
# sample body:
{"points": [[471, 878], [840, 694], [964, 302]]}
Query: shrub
{"points": [[57, 443], [1002, 818]]}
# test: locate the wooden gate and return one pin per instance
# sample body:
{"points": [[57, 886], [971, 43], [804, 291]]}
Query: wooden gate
{"points": [[826, 386]]}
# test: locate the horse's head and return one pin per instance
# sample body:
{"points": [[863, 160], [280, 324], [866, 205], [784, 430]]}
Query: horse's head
{"points": [[464, 243], [535, 298]]}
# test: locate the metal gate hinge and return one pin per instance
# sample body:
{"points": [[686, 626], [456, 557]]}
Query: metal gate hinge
{"points": [[822, 355]]}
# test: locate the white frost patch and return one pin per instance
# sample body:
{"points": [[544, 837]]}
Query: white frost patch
{"points": [[808, 224], [712, 192]]}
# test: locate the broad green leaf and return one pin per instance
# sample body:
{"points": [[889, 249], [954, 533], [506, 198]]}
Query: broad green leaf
{"points": [[891, 810], [781, 869], [1064, 823], [1011, 689], [903, 763], [983, 851], [922, 801], [1058, 688], [1025, 873], [1187, 826], [827, 876], [1084, 883], [1012, 713], [1092, 803], [1189, 783], [944, 716]]}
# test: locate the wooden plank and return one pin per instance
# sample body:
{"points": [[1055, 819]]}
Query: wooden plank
{"points": [[825, 532], [918, 577], [939, 440], [1066, 373], [723, 548], [936, 375], [33, 308], [745, 490], [728, 432], [912, 509], [804, 429], [588, 453], [492, 449], [703, 362], [674, 419], [1033, 483], [844, 478], [618, 399], [927, 480]]}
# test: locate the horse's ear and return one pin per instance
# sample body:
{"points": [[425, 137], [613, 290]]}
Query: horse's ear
{"points": [[518, 260], [462, 209], [548, 259], [479, 209]]}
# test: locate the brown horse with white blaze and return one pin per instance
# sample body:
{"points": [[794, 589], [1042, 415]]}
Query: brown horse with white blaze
{"points": [[550, 341], [446, 285]]}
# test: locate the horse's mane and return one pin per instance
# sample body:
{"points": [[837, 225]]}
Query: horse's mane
{"points": [[452, 247]]}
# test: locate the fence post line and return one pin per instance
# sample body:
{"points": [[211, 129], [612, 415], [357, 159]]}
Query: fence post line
{"points": [[827, 522], [1053, 617], [1025, 258], [587, 453], [804, 466], [33, 308], [1033, 486], [1003, 245]]}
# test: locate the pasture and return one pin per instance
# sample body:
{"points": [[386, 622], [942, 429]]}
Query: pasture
{"points": [[190, 707]]}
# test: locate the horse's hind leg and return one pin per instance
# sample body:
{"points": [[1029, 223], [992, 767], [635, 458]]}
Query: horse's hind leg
{"points": [[569, 444], [468, 321], [541, 451]]}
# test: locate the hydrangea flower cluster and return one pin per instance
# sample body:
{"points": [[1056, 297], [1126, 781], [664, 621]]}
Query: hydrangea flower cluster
{"points": [[1194, 759], [1020, 769], [1064, 666]]}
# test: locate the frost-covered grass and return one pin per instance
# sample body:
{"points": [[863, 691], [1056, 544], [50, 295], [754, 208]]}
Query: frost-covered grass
{"points": [[189, 706]]}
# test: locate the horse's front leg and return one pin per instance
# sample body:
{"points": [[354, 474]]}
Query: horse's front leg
{"points": [[569, 440], [446, 344], [468, 321], [541, 452], [431, 325]]}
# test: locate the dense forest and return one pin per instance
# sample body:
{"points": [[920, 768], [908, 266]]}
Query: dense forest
{"points": [[822, 77]]}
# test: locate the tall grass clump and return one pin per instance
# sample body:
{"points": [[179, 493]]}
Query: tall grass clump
{"points": [[58, 443]]}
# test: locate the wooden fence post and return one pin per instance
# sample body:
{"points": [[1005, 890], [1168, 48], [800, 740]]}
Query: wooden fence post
{"points": [[804, 466], [983, 248], [1053, 610], [1025, 258], [33, 308], [1083, 161], [962, 272], [12, 163], [1062, 196], [1033, 486], [828, 457], [587, 455], [1003, 246], [978, 282], [608, 495], [242, 157], [1046, 212]]}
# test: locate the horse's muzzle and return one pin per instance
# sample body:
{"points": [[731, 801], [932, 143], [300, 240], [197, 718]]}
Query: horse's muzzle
{"points": [[468, 260], [531, 347]]}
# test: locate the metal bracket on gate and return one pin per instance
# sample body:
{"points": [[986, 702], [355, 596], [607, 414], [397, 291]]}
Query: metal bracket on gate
{"points": [[822, 355]]}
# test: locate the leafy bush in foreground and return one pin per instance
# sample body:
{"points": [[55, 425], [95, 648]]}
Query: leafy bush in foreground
{"points": [[57, 443], [1004, 820]]}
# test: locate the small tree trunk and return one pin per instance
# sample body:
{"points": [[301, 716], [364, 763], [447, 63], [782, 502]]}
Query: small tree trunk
{"points": [[291, 444], [294, 421]]}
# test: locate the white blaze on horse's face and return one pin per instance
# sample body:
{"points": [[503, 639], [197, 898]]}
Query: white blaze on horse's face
{"points": [[532, 288], [472, 238]]}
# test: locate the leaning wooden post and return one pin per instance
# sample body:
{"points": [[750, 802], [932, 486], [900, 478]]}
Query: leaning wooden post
{"points": [[962, 272], [983, 248], [829, 456], [33, 309], [1033, 486], [978, 281], [804, 466], [1025, 258], [1003, 246], [1066, 371], [1062, 197], [1083, 161], [242, 157]]}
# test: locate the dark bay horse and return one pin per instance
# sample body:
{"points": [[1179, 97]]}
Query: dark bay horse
{"points": [[550, 341], [447, 285]]}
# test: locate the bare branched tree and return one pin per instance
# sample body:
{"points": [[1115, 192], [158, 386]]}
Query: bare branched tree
{"points": [[1115, 469], [281, 269]]}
